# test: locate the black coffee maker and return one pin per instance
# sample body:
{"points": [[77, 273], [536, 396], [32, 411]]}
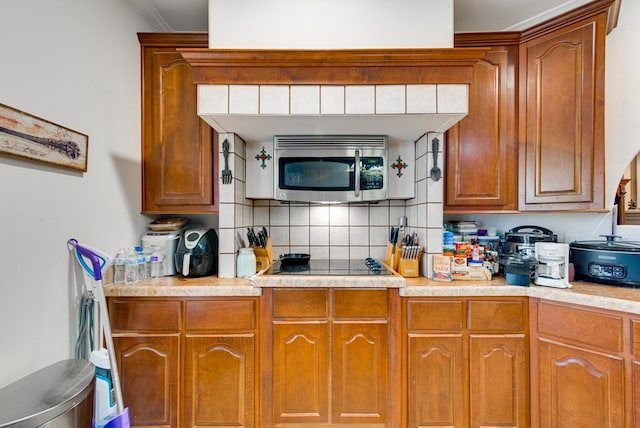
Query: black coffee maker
{"points": [[197, 253]]}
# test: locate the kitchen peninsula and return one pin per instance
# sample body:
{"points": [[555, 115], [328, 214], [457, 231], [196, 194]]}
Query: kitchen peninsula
{"points": [[469, 353]]}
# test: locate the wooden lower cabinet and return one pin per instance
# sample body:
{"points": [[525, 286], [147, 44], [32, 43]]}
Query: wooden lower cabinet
{"points": [[498, 381], [149, 376], [219, 381], [300, 367], [467, 362], [436, 381], [579, 359], [327, 358], [187, 362], [580, 388]]}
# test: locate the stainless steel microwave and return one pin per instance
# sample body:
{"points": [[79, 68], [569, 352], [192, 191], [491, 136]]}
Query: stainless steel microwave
{"points": [[331, 168]]}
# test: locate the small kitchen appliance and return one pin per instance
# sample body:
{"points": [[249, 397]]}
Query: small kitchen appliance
{"points": [[330, 168], [612, 262], [197, 252], [552, 269], [522, 239], [167, 243], [518, 253]]}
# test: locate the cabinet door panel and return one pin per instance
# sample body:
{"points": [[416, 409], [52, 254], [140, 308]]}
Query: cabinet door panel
{"points": [[498, 381], [481, 148], [300, 373], [361, 373], [219, 381], [182, 157], [563, 128], [436, 381], [179, 162], [149, 371], [579, 388]]}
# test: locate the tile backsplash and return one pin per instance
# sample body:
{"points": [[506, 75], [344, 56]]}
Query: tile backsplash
{"points": [[339, 231], [335, 231]]}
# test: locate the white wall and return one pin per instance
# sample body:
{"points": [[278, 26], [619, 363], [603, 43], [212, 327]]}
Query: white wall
{"points": [[75, 63], [622, 114], [622, 97], [330, 24]]}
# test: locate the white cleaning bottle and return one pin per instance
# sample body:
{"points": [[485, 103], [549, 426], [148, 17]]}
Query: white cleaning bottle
{"points": [[104, 404]]}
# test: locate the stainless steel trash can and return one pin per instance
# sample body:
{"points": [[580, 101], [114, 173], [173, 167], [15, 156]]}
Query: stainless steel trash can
{"points": [[58, 396]]}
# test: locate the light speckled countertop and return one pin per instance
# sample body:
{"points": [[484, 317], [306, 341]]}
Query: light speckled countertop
{"points": [[178, 286], [582, 293]]}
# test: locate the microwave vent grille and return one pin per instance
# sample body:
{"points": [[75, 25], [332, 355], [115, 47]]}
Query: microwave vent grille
{"points": [[330, 141]]}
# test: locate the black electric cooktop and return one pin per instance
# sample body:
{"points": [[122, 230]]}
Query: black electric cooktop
{"points": [[355, 267]]}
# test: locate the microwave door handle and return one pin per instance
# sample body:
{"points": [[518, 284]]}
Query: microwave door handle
{"points": [[357, 177]]}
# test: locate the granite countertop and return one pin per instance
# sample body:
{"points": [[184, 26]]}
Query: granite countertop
{"points": [[335, 281], [179, 286], [582, 293]]}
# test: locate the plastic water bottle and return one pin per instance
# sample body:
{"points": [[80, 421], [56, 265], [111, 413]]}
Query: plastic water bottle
{"points": [[130, 267], [157, 264], [142, 264], [147, 261], [118, 267]]}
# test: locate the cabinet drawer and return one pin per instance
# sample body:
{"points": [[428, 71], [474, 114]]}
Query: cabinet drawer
{"points": [[220, 315], [446, 315], [492, 315], [360, 304], [147, 315], [308, 303], [589, 328]]}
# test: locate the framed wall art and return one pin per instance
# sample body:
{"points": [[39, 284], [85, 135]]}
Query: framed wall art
{"points": [[29, 137]]}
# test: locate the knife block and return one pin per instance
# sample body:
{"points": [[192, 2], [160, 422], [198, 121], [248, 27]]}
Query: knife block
{"points": [[409, 268], [264, 256], [392, 258]]}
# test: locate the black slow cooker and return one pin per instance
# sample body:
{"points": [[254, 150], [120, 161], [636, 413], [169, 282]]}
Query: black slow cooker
{"points": [[610, 262]]}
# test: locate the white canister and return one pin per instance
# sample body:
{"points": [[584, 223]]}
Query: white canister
{"points": [[246, 262]]}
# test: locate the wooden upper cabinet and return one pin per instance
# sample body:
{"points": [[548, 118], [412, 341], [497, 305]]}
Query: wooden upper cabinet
{"points": [[481, 173], [179, 163], [562, 118]]}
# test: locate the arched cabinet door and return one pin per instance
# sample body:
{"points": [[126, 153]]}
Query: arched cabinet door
{"points": [[219, 380], [562, 118], [481, 171], [179, 150], [579, 387], [149, 375]]}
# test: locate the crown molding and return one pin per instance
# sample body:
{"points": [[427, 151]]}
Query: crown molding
{"points": [[151, 15]]}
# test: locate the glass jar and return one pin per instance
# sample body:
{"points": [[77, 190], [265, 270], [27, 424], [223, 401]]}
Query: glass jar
{"points": [[246, 262]]}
